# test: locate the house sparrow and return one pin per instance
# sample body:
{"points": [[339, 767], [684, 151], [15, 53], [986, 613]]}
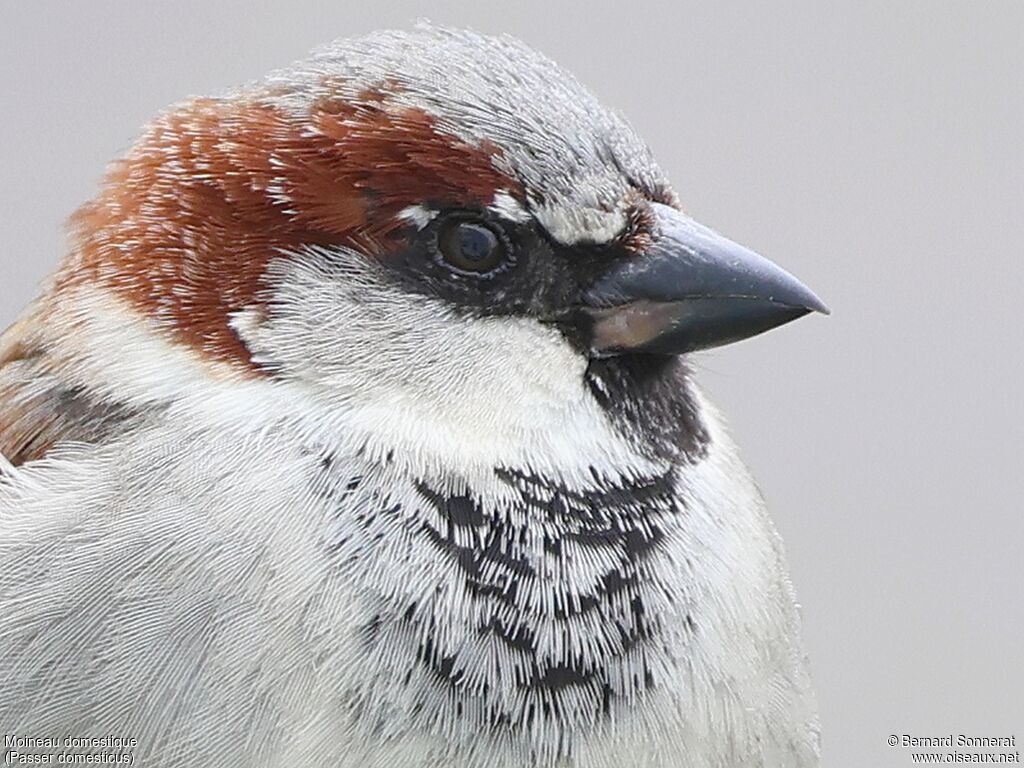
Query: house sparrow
{"points": [[356, 429]]}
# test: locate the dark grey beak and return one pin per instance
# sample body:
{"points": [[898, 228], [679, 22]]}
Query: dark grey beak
{"points": [[691, 289]]}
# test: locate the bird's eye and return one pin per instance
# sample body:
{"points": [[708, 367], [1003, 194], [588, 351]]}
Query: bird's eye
{"points": [[470, 246]]}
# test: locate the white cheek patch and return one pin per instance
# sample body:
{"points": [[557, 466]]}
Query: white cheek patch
{"points": [[571, 226], [448, 394]]}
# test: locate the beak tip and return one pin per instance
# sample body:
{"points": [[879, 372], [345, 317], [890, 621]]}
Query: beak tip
{"points": [[802, 296], [820, 307]]}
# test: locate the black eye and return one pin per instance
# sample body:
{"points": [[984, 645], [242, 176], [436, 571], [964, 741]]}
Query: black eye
{"points": [[469, 246]]}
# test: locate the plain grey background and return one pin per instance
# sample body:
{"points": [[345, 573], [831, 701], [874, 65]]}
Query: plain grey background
{"points": [[872, 148]]}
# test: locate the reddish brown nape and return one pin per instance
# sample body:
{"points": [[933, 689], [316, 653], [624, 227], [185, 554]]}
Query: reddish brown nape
{"points": [[185, 225]]}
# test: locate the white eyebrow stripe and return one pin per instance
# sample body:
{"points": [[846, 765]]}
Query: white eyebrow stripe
{"points": [[568, 226], [571, 226], [507, 207], [418, 215]]}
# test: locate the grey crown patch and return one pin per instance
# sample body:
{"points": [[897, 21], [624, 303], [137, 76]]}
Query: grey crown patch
{"points": [[581, 163]]}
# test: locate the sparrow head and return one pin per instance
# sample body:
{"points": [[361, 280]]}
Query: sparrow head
{"points": [[431, 215]]}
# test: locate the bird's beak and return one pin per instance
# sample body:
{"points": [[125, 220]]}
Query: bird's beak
{"points": [[691, 289]]}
